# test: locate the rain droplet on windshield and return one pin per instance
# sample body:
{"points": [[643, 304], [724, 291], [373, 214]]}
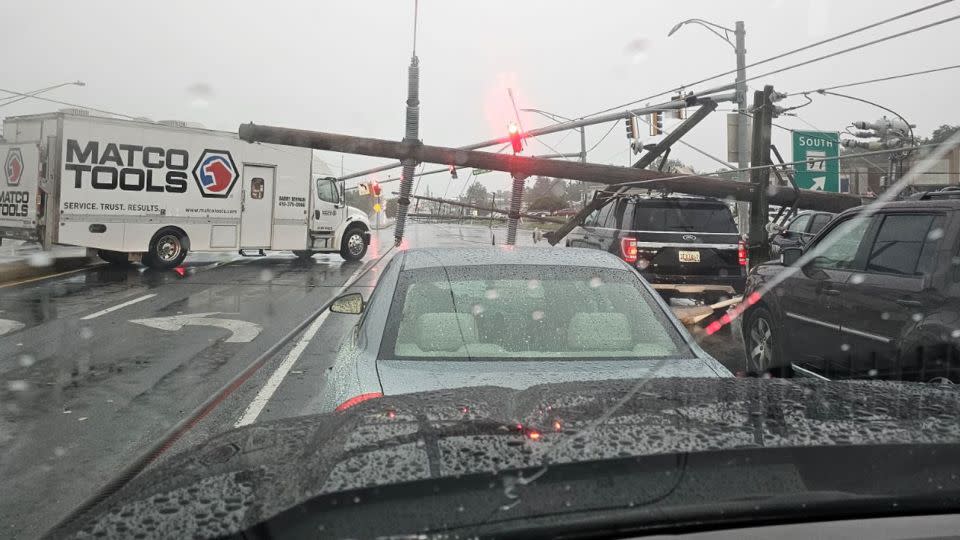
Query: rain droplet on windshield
{"points": [[18, 386], [491, 294], [25, 360], [845, 347], [885, 316], [86, 332], [536, 315], [872, 373], [856, 279], [40, 258], [917, 317], [533, 284], [595, 282], [935, 234], [266, 275]]}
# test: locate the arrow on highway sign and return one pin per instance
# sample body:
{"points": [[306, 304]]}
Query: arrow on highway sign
{"points": [[241, 331], [7, 326], [818, 183]]}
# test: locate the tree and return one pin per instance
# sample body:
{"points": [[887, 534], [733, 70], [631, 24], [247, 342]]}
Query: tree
{"points": [[941, 134], [547, 203], [477, 194]]}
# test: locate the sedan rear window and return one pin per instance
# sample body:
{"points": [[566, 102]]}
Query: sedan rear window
{"points": [[684, 216], [526, 312]]}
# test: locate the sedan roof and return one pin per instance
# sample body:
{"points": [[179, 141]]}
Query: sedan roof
{"points": [[499, 255]]}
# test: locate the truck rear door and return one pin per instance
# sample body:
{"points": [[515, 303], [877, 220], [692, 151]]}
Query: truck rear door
{"points": [[19, 191], [686, 237]]}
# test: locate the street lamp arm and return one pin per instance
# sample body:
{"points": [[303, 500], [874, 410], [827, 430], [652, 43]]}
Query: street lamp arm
{"points": [[550, 115], [709, 26]]}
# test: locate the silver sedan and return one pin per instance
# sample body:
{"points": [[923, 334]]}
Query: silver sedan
{"points": [[506, 316]]}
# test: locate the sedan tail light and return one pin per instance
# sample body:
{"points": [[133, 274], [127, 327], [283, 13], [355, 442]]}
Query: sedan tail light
{"points": [[742, 253], [358, 399], [628, 249]]}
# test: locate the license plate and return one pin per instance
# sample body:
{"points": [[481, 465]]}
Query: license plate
{"points": [[689, 256]]}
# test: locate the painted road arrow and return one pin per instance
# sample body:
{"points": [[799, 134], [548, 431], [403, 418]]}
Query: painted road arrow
{"points": [[242, 331], [7, 326]]}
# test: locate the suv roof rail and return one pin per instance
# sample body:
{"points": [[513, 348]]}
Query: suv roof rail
{"points": [[948, 192]]}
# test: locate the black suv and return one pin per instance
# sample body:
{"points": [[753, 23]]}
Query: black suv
{"points": [[881, 299], [684, 246]]}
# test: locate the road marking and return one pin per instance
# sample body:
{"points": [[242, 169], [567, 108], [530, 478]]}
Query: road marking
{"points": [[68, 272], [7, 326], [263, 396], [116, 307], [273, 383], [240, 331]]}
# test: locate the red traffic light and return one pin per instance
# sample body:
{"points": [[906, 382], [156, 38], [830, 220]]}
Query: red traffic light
{"points": [[375, 189], [516, 138]]}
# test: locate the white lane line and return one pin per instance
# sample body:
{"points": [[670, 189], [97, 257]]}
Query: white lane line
{"points": [[116, 307], [273, 383], [263, 396]]}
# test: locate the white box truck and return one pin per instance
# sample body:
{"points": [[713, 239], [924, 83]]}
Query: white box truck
{"points": [[152, 192]]}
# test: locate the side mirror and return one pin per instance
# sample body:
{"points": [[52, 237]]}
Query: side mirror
{"points": [[350, 304], [790, 255]]}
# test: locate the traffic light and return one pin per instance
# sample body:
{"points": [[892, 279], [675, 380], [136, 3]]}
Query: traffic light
{"points": [[375, 189], [656, 123], [632, 131], [679, 114], [516, 138]]}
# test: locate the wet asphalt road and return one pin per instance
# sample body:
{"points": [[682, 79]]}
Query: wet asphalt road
{"points": [[85, 390]]}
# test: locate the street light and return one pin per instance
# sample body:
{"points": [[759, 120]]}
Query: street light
{"points": [[743, 144], [21, 96], [557, 118]]}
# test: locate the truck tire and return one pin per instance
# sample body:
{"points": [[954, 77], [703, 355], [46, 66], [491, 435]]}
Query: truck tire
{"points": [[304, 255], [167, 249], [114, 257], [353, 247]]}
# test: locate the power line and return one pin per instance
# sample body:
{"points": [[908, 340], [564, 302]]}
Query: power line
{"points": [[613, 125], [868, 102], [880, 79], [71, 104], [856, 47], [777, 57]]}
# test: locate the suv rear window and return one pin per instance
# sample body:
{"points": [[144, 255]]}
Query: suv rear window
{"points": [[682, 216]]}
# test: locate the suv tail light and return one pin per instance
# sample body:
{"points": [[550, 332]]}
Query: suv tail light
{"points": [[628, 250], [357, 400], [742, 253]]}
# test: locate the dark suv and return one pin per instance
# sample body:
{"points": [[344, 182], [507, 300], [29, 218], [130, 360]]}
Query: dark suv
{"points": [[799, 230], [684, 246], [879, 299]]}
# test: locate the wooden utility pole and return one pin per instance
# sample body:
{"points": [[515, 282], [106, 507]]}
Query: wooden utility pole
{"points": [[758, 240]]}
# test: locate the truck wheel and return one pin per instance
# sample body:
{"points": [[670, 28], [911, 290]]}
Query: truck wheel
{"points": [[303, 255], [762, 345], [168, 248], [114, 257], [353, 247]]}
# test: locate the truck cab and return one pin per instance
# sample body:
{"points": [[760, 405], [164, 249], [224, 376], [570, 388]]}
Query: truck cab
{"points": [[330, 220]]}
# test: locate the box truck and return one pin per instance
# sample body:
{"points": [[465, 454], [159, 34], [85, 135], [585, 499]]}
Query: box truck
{"points": [[150, 192]]}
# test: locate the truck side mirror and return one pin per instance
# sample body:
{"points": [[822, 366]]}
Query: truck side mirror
{"points": [[790, 255]]}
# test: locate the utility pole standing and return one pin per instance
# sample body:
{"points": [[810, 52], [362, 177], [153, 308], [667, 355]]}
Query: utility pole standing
{"points": [[758, 243], [743, 121]]}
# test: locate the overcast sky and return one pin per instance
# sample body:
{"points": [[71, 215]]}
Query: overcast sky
{"points": [[341, 66]]}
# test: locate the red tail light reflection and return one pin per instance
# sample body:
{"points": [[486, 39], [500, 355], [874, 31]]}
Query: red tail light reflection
{"points": [[628, 249], [358, 399]]}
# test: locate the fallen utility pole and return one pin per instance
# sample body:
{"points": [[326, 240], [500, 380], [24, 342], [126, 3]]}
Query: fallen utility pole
{"points": [[605, 196], [691, 100], [487, 209], [585, 172]]}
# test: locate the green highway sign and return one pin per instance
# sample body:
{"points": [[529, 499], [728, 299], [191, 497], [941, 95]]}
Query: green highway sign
{"points": [[816, 154]]}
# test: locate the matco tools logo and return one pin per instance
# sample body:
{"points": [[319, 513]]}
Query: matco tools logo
{"points": [[215, 173], [13, 167]]}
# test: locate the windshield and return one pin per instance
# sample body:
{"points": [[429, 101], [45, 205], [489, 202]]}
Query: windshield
{"points": [[526, 312], [478, 269], [684, 216]]}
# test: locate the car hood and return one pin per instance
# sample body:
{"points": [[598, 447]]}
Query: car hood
{"points": [[247, 475], [407, 376]]}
